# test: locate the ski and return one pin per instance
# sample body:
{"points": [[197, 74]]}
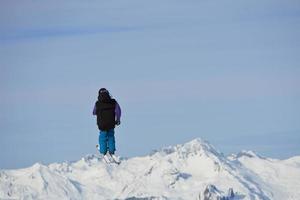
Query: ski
{"points": [[113, 160], [108, 158]]}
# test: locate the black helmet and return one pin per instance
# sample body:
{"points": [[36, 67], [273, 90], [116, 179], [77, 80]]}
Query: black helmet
{"points": [[103, 95], [103, 90]]}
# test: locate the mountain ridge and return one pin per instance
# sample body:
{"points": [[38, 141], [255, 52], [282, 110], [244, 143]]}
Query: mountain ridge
{"points": [[193, 170]]}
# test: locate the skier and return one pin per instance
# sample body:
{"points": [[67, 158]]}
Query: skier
{"points": [[108, 114]]}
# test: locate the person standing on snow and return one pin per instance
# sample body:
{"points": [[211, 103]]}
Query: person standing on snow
{"points": [[108, 114]]}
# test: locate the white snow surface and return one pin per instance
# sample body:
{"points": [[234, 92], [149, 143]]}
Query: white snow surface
{"points": [[194, 170]]}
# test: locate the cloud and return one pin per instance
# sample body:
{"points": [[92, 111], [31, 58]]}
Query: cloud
{"points": [[65, 32]]}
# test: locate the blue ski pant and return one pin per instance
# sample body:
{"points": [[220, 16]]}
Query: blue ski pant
{"points": [[107, 141]]}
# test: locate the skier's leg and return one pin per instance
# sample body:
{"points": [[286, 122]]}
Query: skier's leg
{"points": [[103, 142], [111, 141]]}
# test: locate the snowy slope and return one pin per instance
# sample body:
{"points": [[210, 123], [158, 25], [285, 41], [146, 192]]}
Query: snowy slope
{"points": [[195, 170]]}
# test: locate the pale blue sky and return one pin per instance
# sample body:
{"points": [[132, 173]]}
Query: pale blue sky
{"points": [[225, 71]]}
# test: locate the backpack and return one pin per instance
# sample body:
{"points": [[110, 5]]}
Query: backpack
{"points": [[105, 111]]}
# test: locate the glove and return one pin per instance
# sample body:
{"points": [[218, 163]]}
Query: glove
{"points": [[118, 122]]}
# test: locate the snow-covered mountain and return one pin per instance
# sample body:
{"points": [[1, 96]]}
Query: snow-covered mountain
{"points": [[194, 170]]}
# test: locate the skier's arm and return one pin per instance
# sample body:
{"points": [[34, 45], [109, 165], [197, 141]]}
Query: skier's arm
{"points": [[118, 112], [94, 110]]}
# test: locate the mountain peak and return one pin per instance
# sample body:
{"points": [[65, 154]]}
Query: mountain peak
{"points": [[199, 144], [248, 153], [196, 146]]}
